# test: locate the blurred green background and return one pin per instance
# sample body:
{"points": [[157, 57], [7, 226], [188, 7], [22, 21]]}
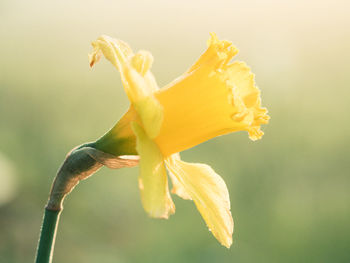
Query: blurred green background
{"points": [[289, 191]]}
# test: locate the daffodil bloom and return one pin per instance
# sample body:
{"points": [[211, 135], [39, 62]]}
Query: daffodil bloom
{"points": [[212, 98]]}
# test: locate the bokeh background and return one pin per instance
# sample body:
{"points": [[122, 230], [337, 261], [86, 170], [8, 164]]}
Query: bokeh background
{"points": [[289, 191]]}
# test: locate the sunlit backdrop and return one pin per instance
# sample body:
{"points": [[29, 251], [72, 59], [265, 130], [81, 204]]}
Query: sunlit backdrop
{"points": [[289, 192]]}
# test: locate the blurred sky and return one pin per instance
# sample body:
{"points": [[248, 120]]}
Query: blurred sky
{"points": [[289, 191]]}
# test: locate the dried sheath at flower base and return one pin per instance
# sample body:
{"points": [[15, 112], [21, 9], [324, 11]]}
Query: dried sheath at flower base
{"points": [[80, 164]]}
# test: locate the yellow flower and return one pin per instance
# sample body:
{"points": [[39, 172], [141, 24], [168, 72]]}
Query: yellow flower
{"points": [[214, 97]]}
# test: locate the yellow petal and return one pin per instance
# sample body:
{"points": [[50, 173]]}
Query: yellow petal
{"points": [[115, 50], [153, 182], [147, 106], [214, 97], [141, 85], [209, 193], [138, 81], [177, 186]]}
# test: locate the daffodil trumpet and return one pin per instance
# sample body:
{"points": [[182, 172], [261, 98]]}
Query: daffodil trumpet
{"points": [[213, 97]]}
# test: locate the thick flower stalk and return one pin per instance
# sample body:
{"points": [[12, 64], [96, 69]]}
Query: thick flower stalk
{"points": [[212, 98]]}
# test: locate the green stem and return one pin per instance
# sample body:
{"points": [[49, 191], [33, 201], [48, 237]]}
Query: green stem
{"points": [[47, 236], [80, 163]]}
